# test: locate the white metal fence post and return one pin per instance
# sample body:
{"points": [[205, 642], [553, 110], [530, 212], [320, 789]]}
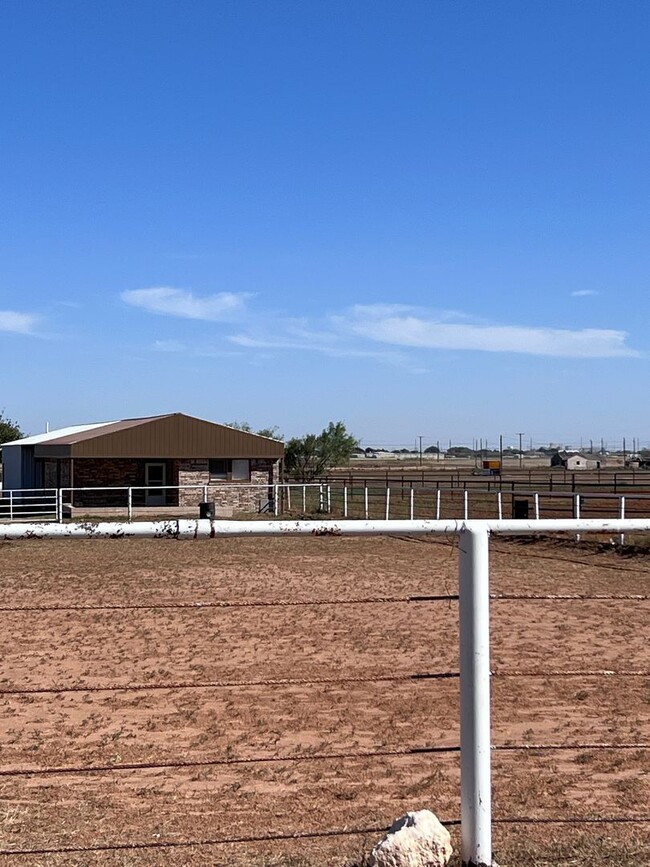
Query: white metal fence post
{"points": [[466, 504], [387, 503], [499, 505], [59, 505], [577, 513], [304, 498], [129, 503], [275, 500], [536, 506], [475, 783], [11, 505], [345, 501], [329, 499], [321, 502], [621, 538], [412, 504], [438, 504], [365, 501]]}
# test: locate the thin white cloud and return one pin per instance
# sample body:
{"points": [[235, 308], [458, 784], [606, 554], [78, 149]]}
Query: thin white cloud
{"points": [[168, 301], [194, 351], [249, 341], [18, 323], [584, 293], [298, 334], [399, 327], [169, 346]]}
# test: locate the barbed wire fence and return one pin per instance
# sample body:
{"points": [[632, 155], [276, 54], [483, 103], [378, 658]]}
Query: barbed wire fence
{"points": [[474, 748]]}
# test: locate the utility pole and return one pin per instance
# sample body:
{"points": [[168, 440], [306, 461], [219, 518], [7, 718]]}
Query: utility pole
{"points": [[521, 456], [420, 438]]}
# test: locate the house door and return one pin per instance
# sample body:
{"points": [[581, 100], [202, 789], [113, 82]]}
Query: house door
{"points": [[155, 476]]}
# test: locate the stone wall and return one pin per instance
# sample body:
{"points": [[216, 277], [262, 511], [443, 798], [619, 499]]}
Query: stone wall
{"points": [[229, 497]]}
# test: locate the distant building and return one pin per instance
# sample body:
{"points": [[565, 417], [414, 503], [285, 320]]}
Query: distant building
{"points": [[636, 462], [576, 461], [167, 460]]}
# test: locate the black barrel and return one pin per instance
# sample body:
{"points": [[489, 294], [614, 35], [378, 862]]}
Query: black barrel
{"points": [[520, 509], [207, 509]]}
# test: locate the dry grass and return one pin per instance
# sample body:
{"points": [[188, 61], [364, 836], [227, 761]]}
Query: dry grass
{"points": [[151, 646]]}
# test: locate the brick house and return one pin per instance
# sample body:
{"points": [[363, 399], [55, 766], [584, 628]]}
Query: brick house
{"points": [[153, 456]]}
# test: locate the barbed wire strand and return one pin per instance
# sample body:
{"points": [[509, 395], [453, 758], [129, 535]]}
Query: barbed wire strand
{"points": [[307, 835], [595, 672], [218, 841], [60, 770], [449, 543], [290, 603], [200, 763], [314, 681], [253, 603], [571, 820], [230, 684]]}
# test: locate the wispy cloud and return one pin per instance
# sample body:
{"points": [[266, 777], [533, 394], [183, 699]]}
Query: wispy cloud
{"points": [[168, 301], [584, 293], [409, 327], [18, 323], [298, 334], [195, 351], [386, 332]]}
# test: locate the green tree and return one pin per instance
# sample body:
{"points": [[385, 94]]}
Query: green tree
{"points": [[311, 456], [270, 432], [461, 452], [9, 430]]}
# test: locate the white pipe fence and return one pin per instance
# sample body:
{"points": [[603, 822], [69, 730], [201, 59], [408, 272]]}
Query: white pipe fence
{"points": [[474, 615], [388, 503], [29, 505], [465, 504], [52, 504]]}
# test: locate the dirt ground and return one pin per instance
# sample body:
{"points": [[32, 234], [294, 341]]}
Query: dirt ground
{"points": [[167, 651]]}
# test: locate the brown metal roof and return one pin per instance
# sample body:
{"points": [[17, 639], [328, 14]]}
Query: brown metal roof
{"points": [[167, 436], [109, 427]]}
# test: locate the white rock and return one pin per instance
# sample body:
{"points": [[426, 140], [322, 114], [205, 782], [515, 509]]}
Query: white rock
{"points": [[414, 840]]}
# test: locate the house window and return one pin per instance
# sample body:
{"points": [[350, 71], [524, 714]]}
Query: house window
{"points": [[241, 471], [227, 470]]}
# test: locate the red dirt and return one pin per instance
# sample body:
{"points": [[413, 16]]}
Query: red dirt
{"points": [[99, 648]]}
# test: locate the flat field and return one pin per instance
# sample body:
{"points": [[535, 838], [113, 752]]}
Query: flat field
{"points": [[176, 728]]}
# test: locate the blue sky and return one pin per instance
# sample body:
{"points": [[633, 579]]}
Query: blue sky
{"points": [[422, 218]]}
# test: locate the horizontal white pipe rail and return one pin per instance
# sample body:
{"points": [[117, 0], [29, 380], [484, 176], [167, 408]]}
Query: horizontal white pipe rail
{"points": [[384, 498], [474, 616], [188, 528], [50, 503], [20, 505]]}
